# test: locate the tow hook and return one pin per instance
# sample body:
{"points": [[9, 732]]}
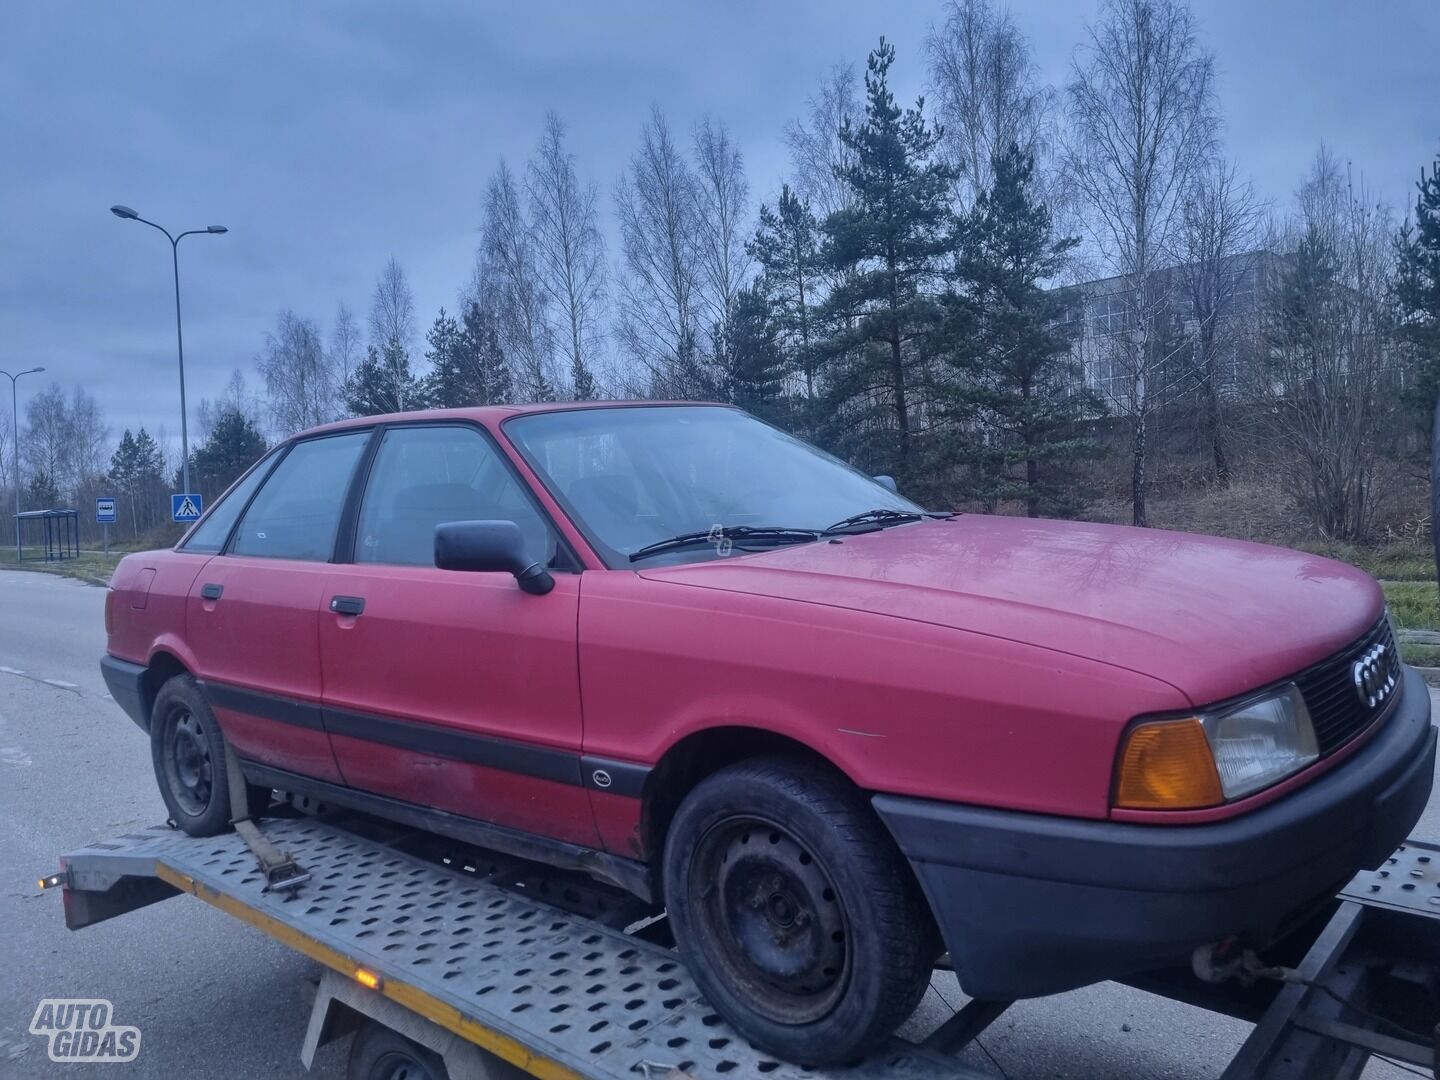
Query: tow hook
{"points": [[1221, 961]]}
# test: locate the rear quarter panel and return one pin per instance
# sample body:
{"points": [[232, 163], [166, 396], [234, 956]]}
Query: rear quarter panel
{"points": [[147, 604], [900, 706]]}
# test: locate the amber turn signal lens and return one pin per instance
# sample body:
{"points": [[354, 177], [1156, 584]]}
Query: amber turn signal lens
{"points": [[1167, 765]]}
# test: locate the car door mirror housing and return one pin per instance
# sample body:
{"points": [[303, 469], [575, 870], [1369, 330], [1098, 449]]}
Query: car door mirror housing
{"points": [[887, 482], [490, 546]]}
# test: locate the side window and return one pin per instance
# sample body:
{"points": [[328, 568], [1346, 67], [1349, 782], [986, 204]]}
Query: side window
{"points": [[209, 536], [296, 513], [425, 476]]}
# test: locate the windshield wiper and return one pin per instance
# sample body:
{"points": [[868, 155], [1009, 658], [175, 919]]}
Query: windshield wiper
{"points": [[718, 534], [883, 516]]}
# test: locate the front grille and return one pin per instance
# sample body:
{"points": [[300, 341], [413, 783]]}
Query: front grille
{"points": [[1337, 710]]}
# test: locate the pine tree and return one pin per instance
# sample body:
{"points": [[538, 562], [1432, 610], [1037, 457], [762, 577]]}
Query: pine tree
{"points": [[787, 247], [757, 374], [468, 364], [1013, 373], [125, 472], [1417, 291], [887, 248], [381, 383], [233, 446], [1417, 281]]}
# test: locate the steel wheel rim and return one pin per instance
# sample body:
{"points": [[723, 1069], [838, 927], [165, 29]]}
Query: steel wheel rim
{"points": [[187, 762], [770, 918]]}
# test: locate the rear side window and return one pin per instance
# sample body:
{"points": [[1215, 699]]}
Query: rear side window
{"points": [[424, 476], [209, 536], [297, 511]]}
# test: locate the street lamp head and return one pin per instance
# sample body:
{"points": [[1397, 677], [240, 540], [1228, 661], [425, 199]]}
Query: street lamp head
{"points": [[124, 212], [33, 371], [216, 229]]}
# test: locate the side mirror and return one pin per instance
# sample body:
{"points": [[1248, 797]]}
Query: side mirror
{"points": [[887, 482], [490, 546]]}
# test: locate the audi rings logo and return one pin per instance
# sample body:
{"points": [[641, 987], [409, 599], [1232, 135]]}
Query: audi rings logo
{"points": [[1374, 675]]}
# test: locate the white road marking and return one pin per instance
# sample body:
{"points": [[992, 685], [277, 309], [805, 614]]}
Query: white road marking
{"points": [[13, 755], [62, 684], [11, 671]]}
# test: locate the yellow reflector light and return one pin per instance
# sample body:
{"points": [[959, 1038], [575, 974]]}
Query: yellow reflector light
{"points": [[368, 979], [1167, 765]]}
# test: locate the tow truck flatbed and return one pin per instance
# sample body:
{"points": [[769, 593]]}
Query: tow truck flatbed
{"points": [[484, 959]]}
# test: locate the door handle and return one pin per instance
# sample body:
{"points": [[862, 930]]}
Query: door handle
{"points": [[211, 591], [347, 605]]}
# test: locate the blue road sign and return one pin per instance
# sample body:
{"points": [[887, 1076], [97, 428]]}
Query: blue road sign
{"points": [[105, 510], [186, 507]]}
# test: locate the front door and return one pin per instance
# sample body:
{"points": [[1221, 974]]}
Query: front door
{"points": [[252, 613], [445, 689]]}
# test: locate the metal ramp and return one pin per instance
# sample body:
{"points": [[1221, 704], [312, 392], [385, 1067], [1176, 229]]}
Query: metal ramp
{"points": [[554, 993]]}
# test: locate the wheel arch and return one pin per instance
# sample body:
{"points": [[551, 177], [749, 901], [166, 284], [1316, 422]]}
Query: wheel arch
{"points": [[163, 666], [698, 755]]}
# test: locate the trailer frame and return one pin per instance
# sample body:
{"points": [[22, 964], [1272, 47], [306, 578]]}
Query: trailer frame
{"points": [[499, 967]]}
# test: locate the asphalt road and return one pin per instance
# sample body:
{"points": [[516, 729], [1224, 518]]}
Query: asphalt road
{"points": [[216, 999]]}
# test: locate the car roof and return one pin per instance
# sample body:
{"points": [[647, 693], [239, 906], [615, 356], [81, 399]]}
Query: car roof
{"points": [[492, 415]]}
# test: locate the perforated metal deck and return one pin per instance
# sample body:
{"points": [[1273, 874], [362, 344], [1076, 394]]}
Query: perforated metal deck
{"points": [[477, 959], [1409, 881]]}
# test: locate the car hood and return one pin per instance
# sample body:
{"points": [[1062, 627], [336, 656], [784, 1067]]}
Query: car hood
{"points": [[1212, 617]]}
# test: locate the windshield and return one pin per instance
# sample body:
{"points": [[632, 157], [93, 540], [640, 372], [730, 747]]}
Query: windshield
{"points": [[630, 477]]}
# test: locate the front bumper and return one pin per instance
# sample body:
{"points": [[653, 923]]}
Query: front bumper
{"points": [[1030, 904], [126, 683]]}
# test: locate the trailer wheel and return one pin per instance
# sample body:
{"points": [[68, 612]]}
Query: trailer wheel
{"points": [[188, 752], [794, 911], [378, 1053]]}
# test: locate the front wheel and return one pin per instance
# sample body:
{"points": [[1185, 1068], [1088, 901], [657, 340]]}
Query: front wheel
{"points": [[794, 911]]}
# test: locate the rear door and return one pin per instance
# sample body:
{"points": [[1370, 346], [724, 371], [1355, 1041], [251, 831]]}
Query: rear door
{"points": [[454, 690], [252, 613]]}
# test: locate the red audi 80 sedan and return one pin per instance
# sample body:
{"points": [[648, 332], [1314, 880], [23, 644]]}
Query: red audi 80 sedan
{"points": [[834, 734]]}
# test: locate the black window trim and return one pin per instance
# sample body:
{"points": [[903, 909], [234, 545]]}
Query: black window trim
{"points": [[281, 453], [345, 536]]}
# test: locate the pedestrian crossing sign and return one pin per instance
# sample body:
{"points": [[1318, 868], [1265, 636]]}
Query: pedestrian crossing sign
{"points": [[186, 507]]}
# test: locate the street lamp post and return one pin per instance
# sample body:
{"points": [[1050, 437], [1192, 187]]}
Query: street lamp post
{"points": [[15, 449], [125, 213]]}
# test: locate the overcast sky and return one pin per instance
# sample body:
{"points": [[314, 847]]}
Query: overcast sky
{"points": [[330, 136]]}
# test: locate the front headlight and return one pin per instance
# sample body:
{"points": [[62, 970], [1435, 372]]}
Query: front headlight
{"points": [[1262, 741], [1214, 757]]}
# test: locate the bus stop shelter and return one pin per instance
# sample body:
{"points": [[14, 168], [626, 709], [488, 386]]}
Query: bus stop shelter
{"points": [[57, 532]]}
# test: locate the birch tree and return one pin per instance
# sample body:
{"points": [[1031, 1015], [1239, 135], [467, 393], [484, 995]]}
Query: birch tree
{"points": [[392, 332], [987, 92], [721, 197], [656, 204], [1142, 124], [818, 156], [346, 346], [1216, 259], [569, 256], [512, 281], [300, 383], [1328, 383]]}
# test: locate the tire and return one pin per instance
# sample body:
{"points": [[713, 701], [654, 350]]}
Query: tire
{"points": [[188, 753], [794, 910], [378, 1053]]}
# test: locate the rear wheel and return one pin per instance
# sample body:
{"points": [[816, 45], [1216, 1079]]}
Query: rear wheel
{"points": [[794, 911], [188, 752], [381, 1054]]}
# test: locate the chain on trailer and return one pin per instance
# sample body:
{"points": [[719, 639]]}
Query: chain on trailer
{"points": [[484, 957]]}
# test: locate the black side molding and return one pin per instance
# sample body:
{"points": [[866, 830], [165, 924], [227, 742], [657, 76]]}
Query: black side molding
{"points": [[632, 876]]}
